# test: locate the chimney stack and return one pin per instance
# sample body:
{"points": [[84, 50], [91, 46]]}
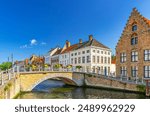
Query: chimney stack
{"points": [[67, 44], [90, 37], [80, 41]]}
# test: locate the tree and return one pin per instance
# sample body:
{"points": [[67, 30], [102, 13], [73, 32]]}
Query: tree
{"points": [[5, 65]]}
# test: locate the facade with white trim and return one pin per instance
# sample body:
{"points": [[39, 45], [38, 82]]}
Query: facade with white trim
{"points": [[91, 55]]}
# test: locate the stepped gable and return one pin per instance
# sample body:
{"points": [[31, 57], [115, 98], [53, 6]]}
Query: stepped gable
{"points": [[134, 11]]}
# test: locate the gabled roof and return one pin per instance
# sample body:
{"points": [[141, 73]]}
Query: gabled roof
{"points": [[51, 50], [71, 48], [57, 52], [83, 45], [146, 20], [134, 11], [93, 42]]}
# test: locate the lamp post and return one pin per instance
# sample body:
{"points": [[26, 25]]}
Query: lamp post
{"points": [[12, 59]]}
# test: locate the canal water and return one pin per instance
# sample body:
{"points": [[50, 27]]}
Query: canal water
{"points": [[54, 89]]}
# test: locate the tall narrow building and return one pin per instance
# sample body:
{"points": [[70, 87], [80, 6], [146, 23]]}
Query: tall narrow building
{"points": [[133, 48]]}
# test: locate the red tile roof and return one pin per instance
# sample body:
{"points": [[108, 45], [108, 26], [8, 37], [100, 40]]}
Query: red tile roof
{"points": [[113, 61], [146, 20], [72, 47]]}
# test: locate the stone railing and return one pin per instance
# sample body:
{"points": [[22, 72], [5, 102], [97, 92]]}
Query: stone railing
{"points": [[5, 76]]}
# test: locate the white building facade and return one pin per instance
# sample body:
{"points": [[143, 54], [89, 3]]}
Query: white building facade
{"points": [[91, 55]]}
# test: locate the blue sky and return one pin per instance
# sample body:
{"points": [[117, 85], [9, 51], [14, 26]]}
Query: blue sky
{"points": [[34, 26]]}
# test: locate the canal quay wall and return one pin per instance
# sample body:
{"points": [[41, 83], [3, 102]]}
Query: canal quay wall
{"points": [[10, 89], [27, 81], [104, 82]]}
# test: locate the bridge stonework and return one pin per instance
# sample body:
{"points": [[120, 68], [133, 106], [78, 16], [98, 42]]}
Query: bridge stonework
{"points": [[30, 80]]}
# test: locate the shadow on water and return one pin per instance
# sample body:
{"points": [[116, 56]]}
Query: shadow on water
{"points": [[54, 89]]}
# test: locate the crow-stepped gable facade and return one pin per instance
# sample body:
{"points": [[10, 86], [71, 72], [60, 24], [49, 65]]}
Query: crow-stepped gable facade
{"points": [[133, 48]]}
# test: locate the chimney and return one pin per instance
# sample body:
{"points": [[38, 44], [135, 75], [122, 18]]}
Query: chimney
{"points": [[67, 44], [90, 37], [80, 41]]}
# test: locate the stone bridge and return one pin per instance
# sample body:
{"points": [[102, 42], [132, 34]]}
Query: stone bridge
{"points": [[29, 80]]}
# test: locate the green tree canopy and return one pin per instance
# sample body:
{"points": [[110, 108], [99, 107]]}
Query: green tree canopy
{"points": [[5, 65]]}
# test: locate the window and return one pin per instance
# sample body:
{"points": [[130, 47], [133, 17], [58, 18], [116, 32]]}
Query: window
{"points": [[101, 59], [105, 60], [75, 60], [94, 51], [123, 57], [147, 55], [134, 27], [134, 56], [97, 59], [83, 59], [134, 40], [108, 60], [71, 60], [101, 52], [146, 71], [123, 71], [108, 70], [97, 51], [88, 59], [105, 52], [78, 53], [88, 51], [102, 71], [93, 59], [83, 52], [108, 53], [65, 56], [79, 60], [75, 54], [134, 71], [71, 54]]}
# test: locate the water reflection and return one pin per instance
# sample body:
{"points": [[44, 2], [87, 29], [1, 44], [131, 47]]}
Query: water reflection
{"points": [[53, 89]]}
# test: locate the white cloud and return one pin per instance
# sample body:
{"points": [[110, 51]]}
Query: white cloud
{"points": [[43, 43], [24, 46], [33, 42]]}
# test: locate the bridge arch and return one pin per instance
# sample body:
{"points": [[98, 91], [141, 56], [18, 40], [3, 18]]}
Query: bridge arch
{"points": [[64, 79], [31, 80]]}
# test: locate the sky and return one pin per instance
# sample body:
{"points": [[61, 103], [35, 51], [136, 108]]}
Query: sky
{"points": [[35, 26]]}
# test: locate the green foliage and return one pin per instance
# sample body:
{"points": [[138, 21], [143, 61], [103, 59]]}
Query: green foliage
{"points": [[79, 67], [57, 66], [27, 67], [141, 88], [69, 66], [89, 75], [5, 65], [6, 88]]}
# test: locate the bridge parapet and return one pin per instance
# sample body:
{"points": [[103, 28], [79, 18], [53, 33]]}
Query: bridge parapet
{"points": [[29, 80]]}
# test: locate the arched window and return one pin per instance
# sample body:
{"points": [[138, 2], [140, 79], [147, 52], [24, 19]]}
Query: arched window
{"points": [[134, 26], [134, 39]]}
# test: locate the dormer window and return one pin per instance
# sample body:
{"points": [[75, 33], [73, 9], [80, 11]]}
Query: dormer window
{"points": [[134, 27]]}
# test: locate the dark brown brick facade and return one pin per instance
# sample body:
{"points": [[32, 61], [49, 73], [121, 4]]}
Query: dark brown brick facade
{"points": [[143, 43]]}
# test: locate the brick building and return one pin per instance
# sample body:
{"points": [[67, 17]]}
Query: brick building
{"points": [[133, 48]]}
